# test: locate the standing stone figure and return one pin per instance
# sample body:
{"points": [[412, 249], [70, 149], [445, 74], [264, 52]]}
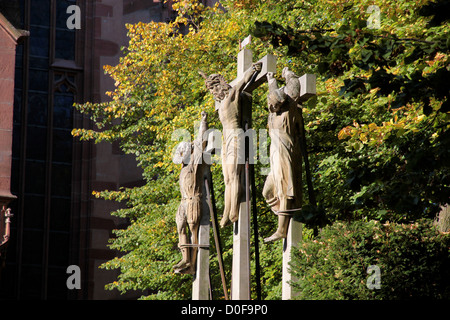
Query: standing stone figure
{"points": [[232, 148], [191, 185], [282, 189]]}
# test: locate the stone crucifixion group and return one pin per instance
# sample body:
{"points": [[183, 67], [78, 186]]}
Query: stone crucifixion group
{"points": [[282, 188]]}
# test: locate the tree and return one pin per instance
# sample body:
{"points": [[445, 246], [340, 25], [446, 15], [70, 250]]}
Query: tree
{"points": [[377, 131], [157, 100], [364, 260]]}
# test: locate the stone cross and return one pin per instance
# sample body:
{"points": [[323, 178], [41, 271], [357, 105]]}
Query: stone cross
{"points": [[244, 62], [240, 273], [240, 287], [294, 233], [193, 215], [283, 186]]}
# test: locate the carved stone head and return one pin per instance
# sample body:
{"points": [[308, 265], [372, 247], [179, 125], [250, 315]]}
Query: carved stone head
{"points": [[292, 88], [275, 99], [217, 85], [182, 153]]}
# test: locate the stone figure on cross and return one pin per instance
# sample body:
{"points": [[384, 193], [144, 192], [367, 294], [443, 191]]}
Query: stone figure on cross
{"points": [[283, 186], [189, 212], [230, 115], [234, 105]]}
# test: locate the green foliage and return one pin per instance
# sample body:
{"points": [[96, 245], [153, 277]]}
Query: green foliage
{"points": [[377, 131], [159, 93], [414, 262]]}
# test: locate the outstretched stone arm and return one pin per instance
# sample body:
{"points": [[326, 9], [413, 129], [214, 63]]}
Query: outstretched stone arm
{"points": [[272, 82], [203, 128], [201, 142], [256, 67]]}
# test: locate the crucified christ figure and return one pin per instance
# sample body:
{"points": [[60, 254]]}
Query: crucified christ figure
{"points": [[232, 149]]}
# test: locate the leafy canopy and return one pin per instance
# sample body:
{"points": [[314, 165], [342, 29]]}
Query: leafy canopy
{"points": [[377, 132]]}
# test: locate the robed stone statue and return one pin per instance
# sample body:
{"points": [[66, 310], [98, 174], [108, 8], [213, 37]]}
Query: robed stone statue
{"points": [[191, 185], [283, 186]]}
